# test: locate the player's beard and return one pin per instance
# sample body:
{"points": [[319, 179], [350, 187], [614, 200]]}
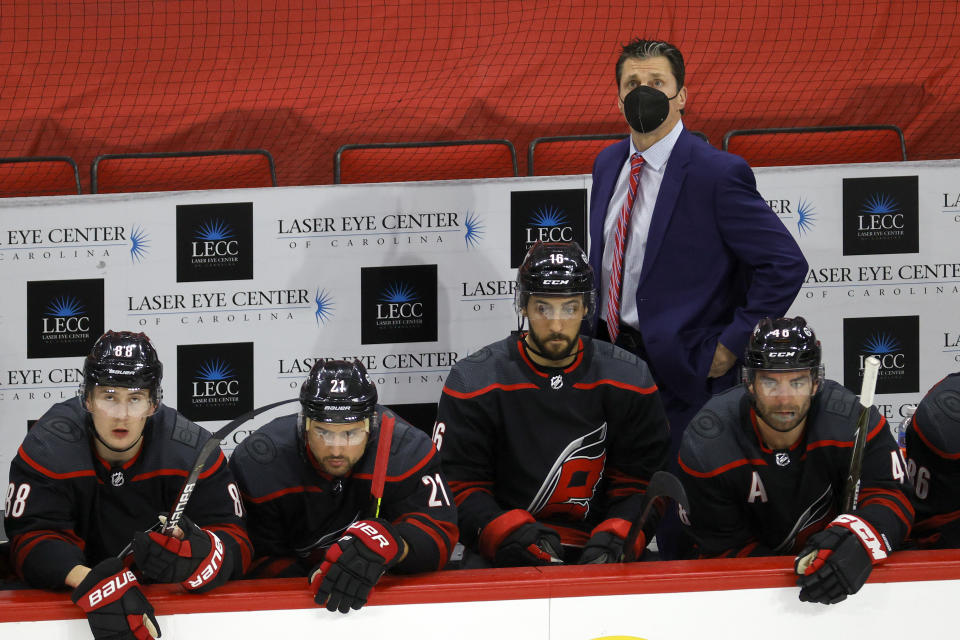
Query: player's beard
{"points": [[557, 353], [776, 416]]}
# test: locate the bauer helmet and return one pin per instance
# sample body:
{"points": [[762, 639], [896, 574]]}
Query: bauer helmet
{"points": [[338, 391], [123, 359], [784, 344], [555, 269]]}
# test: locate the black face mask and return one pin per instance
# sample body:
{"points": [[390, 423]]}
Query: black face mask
{"points": [[646, 108]]}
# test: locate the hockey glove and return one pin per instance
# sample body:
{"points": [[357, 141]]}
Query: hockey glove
{"points": [[531, 544], [116, 608], [199, 562], [354, 564], [605, 547], [837, 561]]}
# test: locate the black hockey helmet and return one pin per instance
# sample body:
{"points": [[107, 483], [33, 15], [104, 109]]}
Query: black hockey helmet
{"points": [[783, 344], [123, 359], [338, 391], [555, 269]]}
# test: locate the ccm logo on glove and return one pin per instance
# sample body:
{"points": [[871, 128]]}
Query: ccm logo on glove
{"points": [[372, 532], [111, 587], [873, 544]]}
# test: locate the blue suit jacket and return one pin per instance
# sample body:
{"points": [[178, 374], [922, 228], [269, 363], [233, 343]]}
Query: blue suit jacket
{"points": [[717, 260]]}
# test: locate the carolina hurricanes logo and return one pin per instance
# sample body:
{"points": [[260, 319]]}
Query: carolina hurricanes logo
{"points": [[573, 479]]}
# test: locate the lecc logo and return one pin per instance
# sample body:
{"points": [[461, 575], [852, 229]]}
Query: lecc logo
{"points": [[215, 379], [65, 314], [880, 212], [549, 224], [214, 239], [399, 301], [885, 347]]}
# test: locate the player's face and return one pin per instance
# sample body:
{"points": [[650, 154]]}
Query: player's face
{"points": [[555, 324], [119, 416], [783, 397], [337, 445], [653, 72]]}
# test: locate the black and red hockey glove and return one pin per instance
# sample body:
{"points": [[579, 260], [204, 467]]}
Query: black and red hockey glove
{"points": [[354, 563], [603, 548], [116, 608], [837, 561], [199, 561], [516, 539]]}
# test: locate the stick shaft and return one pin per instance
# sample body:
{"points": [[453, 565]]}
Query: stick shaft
{"points": [[871, 369]]}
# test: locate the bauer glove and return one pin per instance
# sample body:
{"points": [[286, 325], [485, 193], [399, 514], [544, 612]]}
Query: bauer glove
{"points": [[199, 561], [116, 608], [354, 564]]}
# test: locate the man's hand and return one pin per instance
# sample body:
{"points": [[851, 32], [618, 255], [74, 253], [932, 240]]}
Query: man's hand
{"points": [[116, 608], [837, 561], [723, 359], [354, 564], [197, 559]]}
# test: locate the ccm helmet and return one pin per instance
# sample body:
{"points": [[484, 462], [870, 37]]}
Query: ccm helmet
{"points": [[784, 344], [123, 359], [338, 391], [555, 269]]}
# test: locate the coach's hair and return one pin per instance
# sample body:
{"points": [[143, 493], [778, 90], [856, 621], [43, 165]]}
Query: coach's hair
{"points": [[638, 48]]}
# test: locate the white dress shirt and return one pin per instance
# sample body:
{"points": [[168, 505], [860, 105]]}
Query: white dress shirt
{"points": [[654, 164]]}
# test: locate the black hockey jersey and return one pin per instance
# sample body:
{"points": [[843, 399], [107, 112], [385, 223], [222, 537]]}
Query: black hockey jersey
{"points": [[296, 510], [933, 463], [574, 447], [749, 500], [70, 507]]}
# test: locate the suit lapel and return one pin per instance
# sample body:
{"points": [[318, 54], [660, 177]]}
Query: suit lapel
{"points": [[666, 201]]}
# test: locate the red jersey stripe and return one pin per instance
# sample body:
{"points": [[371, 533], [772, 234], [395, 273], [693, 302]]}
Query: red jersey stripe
{"points": [[723, 469], [941, 453], [615, 383], [490, 387], [53, 474], [281, 492]]}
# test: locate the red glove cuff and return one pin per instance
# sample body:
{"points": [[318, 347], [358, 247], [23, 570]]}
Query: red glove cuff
{"points": [[500, 527], [108, 590], [875, 545], [209, 567], [375, 537]]}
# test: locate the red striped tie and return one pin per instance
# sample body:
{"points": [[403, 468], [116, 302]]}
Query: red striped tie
{"points": [[620, 243]]}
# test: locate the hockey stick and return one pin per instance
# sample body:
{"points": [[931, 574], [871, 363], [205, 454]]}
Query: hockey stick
{"points": [[380, 465], [663, 484], [851, 491], [176, 513]]}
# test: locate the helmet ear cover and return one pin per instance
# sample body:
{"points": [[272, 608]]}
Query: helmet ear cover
{"points": [[555, 269], [123, 359]]}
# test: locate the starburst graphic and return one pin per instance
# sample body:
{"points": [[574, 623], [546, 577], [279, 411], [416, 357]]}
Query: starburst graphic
{"points": [[215, 370], [806, 216], [881, 343], [475, 230], [214, 230], [548, 216], [880, 203], [64, 307], [398, 292], [325, 306], [139, 244]]}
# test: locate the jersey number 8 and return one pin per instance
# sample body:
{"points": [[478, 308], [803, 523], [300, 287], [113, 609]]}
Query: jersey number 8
{"points": [[16, 500]]}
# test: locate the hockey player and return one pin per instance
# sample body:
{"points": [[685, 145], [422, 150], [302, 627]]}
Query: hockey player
{"points": [[344, 491], [549, 438], [764, 466], [93, 474], [933, 451]]}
